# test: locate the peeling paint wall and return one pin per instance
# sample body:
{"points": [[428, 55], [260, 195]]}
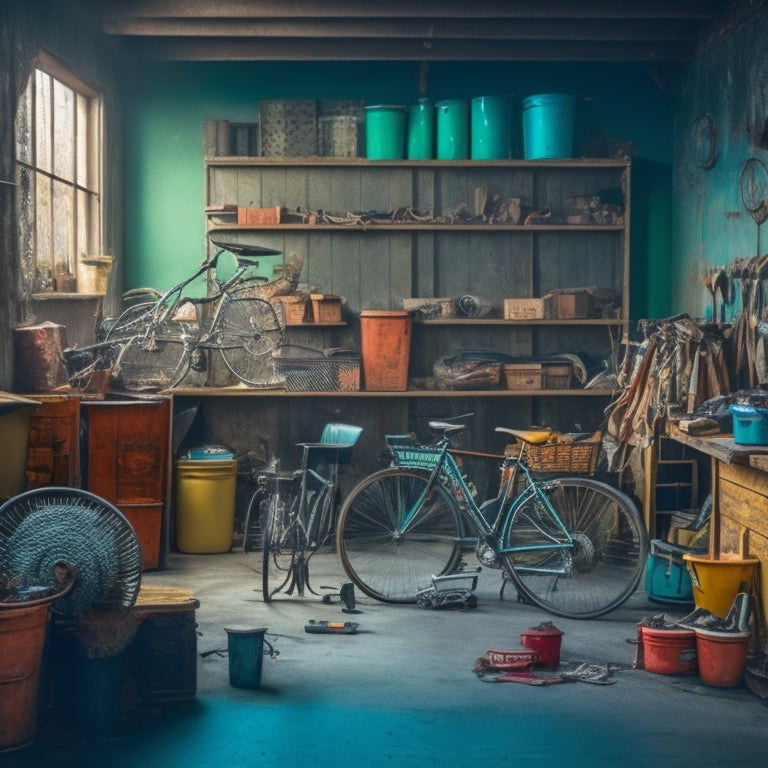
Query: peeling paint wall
{"points": [[721, 121]]}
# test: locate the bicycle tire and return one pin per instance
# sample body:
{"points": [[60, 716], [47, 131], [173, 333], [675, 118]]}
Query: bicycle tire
{"points": [[247, 331], [279, 547], [253, 524], [607, 558], [388, 564]]}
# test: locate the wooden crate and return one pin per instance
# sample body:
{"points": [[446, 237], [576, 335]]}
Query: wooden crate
{"points": [[294, 308], [572, 305], [524, 375], [556, 375], [325, 309], [249, 217], [527, 309]]}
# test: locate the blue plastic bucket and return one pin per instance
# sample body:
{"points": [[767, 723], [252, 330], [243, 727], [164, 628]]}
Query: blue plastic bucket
{"points": [[452, 129], [385, 132], [246, 656], [421, 119], [750, 424], [548, 125], [491, 128]]}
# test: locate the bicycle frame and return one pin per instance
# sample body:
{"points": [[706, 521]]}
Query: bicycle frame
{"points": [[447, 471]]}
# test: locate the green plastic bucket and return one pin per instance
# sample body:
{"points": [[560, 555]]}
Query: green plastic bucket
{"points": [[385, 132], [246, 656], [548, 125], [452, 129], [491, 128], [421, 120]]}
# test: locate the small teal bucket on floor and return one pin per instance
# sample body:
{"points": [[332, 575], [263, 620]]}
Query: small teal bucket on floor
{"points": [[385, 132], [421, 120], [452, 129], [246, 656], [491, 128], [548, 125]]}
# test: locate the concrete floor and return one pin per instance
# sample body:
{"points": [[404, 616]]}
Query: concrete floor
{"points": [[402, 691]]}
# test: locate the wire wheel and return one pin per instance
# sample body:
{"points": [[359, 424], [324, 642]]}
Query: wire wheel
{"points": [[390, 560], [156, 359], [602, 565], [279, 547], [247, 330]]}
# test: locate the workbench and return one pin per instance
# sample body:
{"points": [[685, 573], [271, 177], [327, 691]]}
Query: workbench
{"points": [[739, 522]]}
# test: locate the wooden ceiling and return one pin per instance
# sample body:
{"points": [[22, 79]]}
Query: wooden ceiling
{"points": [[658, 31]]}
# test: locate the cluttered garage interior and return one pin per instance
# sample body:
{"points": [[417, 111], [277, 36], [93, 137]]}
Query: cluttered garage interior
{"points": [[287, 281]]}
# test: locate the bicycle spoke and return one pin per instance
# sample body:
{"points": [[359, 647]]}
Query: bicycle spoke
{"points": [[386, 559], [246, 331], [598, 569], [278, 549]]}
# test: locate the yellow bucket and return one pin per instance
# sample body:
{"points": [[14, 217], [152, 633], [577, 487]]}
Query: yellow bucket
{"points": [[205, 505], [717, 582]]}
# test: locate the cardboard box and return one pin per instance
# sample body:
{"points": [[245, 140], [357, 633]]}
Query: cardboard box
{"points": [[527, 309]]}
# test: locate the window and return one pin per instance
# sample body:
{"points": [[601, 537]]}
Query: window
{"points": [[58, 151]]}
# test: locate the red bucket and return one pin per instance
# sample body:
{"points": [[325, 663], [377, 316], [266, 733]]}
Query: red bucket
{"points": [[669, 651], [545, 640]]}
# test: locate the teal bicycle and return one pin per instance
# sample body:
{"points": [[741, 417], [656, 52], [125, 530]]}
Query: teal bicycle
{"points": [[572, 545]]}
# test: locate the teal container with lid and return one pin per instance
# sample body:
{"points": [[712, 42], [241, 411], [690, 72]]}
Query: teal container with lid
{"points": [[548, 125], [452, 129], [421, 120], [385, 132], [491, 129]]}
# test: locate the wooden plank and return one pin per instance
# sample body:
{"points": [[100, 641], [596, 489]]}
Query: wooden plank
{"points": [[746, 507]]}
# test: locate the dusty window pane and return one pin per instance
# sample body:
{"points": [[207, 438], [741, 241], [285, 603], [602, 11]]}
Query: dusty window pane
{"points": [[24, 126], [43, 123], [43, 226], [63, 131], [81, 243], [62, 228]]}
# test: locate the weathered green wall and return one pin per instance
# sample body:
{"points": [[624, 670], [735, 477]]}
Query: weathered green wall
{"points": [[168, 103], [711, 225]]}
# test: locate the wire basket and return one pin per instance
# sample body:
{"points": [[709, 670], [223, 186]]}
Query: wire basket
{"points": [[312, 370], [572, 458]]}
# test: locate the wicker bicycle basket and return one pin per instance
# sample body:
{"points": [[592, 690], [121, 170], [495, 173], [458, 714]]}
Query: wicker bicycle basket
{"points": [[573, 458]]}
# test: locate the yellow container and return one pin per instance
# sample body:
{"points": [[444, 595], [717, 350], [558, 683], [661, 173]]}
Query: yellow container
{"points": [[717, 582], [205, 505], [15, 419]]}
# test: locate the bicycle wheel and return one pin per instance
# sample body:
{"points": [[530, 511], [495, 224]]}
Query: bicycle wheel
{"points": [[279, 548], [389, 562], [156, 358], [247, 330], [602, 568]]}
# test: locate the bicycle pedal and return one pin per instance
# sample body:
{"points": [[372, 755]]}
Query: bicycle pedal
{"points": [[331, 627]]}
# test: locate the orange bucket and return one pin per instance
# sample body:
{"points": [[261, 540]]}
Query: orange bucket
{"points": [[22, 638], [546, 641], [385, 337], [722, 657]]}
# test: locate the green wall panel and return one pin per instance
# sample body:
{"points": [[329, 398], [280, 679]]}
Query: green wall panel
{"points": [[167, 104]]}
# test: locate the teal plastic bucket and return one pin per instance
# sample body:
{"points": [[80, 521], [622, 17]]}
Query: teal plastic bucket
{"points": [[385, 132], [421, 120], [548, 125], [246, 656], [491, 128], [452, 129]]}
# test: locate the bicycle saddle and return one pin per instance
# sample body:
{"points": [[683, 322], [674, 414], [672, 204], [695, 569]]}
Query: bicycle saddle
{"points": [[533, 436], [243, 249], [446, 427]]}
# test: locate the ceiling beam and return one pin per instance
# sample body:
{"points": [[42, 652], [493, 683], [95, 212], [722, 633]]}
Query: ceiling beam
{"points": [[205, 49], [701, 10], [541, 29]]}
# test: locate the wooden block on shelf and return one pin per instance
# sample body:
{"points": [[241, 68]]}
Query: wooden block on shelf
{"points": [[325, 308], [527, 309], [250, 217], [524, 375], [572, 306]]}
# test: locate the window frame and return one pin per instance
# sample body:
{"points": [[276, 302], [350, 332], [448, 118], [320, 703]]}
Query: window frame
{"points": [[63, 173]]}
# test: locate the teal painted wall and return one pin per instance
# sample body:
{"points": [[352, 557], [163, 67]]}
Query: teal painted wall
{"points": [[167, 104], [711, 225]]}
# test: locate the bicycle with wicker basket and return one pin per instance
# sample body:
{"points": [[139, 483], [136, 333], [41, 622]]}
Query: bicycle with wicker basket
{"points": [[154, 344], [571, 544]]}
